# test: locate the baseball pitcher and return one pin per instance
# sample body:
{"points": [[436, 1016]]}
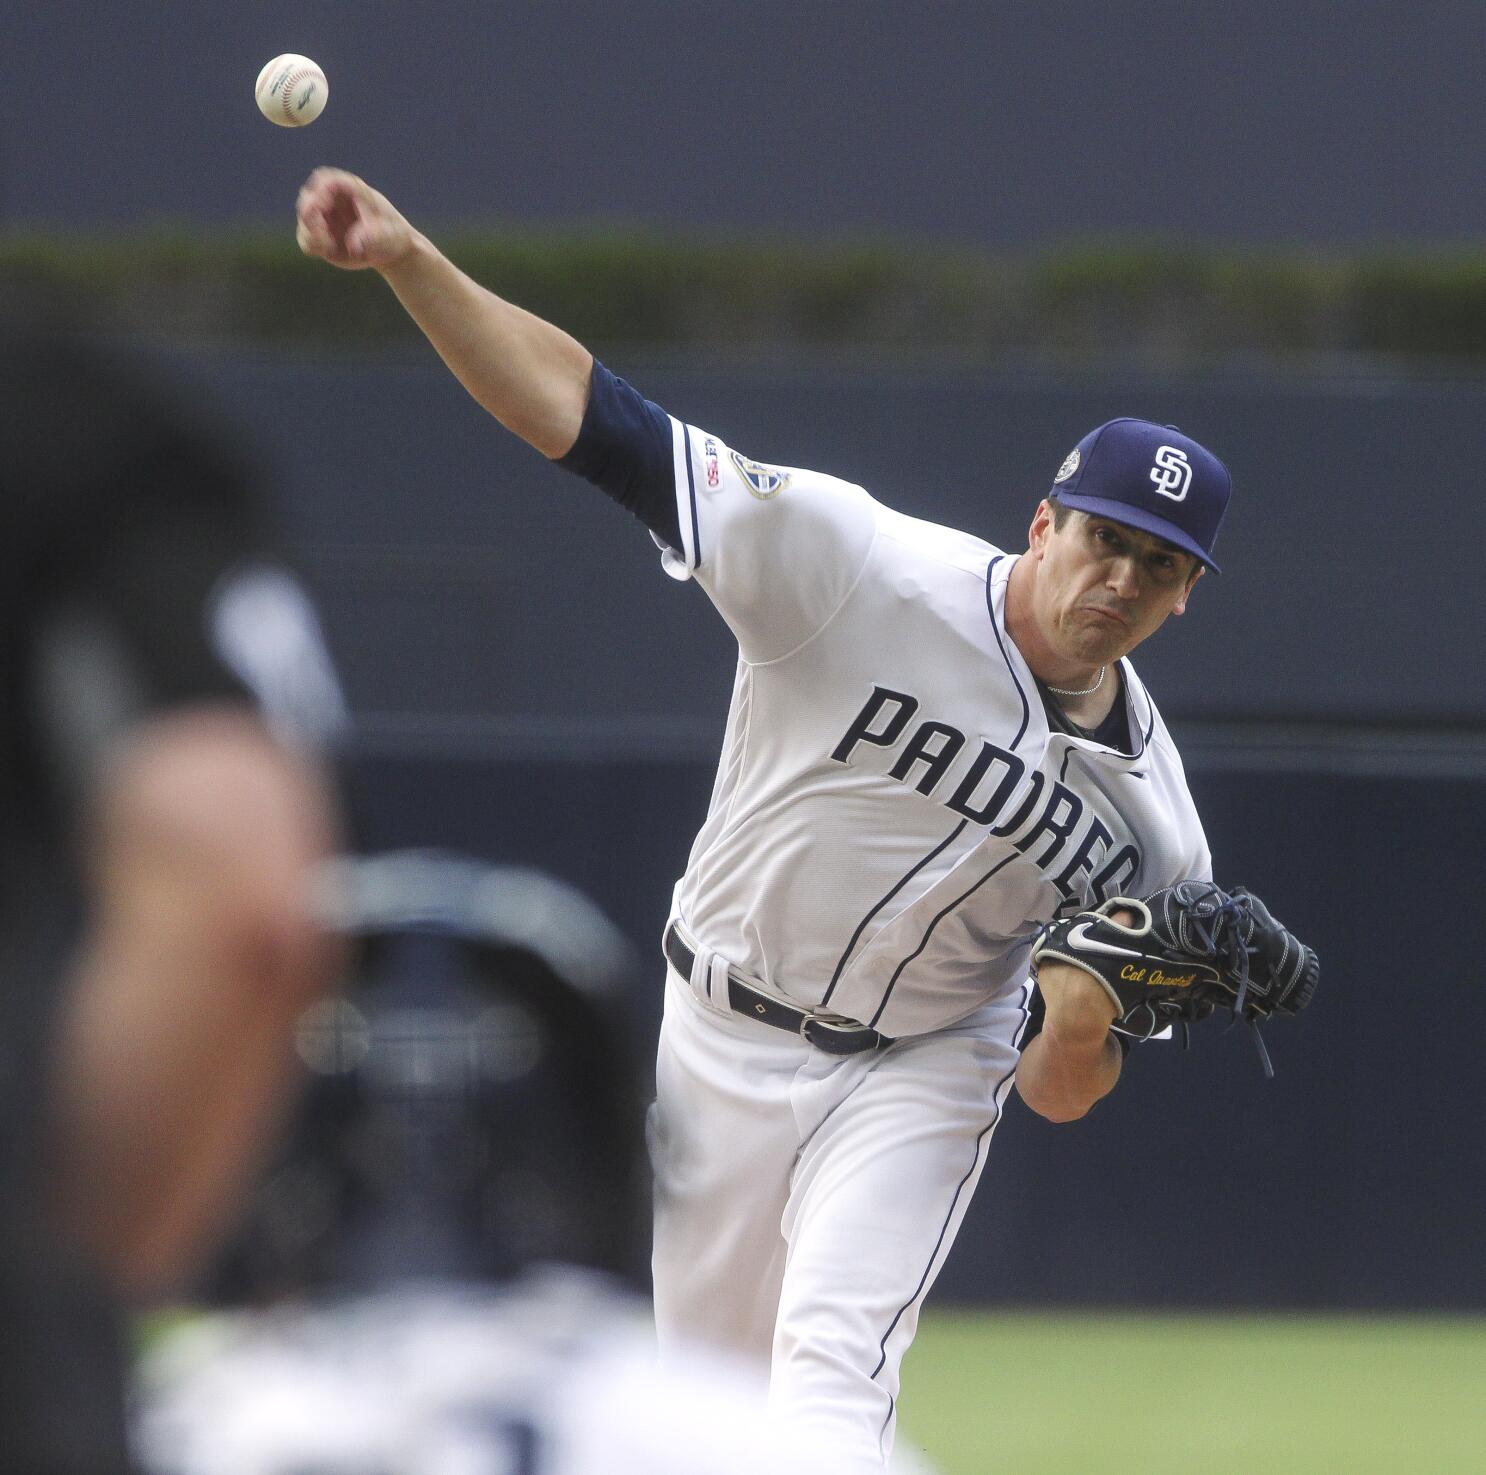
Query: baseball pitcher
{"points": [[937, 752]]}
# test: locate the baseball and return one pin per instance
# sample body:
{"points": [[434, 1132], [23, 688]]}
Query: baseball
{"points": [[291, 91]]}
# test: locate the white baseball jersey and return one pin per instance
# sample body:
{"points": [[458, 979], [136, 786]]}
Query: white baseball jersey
{"points": [[558, 1378], [893, 817]]}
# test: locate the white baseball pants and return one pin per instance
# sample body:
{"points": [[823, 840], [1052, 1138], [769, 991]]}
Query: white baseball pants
{"points": [[805, 1202]]}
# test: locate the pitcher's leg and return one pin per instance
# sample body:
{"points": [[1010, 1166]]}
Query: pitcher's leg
{"points": [[723, 1142], [879, 1193]]}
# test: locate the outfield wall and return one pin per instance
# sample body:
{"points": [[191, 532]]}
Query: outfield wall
{"points": [[469, 582], [1355, 1178], [532, 689]]}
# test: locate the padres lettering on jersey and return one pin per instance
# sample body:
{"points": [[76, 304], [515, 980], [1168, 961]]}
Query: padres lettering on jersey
{"points": [[893, 817], [992, 792]]}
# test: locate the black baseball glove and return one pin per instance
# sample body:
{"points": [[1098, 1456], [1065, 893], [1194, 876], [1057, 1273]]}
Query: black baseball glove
{"points": [[1192, 949]]}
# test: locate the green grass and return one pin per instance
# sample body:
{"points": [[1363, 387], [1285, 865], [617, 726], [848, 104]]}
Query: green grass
{"points": [[1036, 1394]]}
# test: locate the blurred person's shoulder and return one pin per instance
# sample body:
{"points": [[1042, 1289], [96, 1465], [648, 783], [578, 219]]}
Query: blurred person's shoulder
{"points": [[705, 1417], [563, 1367], [706, 1413]]}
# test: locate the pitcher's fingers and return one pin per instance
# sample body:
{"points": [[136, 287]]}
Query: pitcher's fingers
{"points": [[329, 197], [326, 178], [314, 233], [368, 239]]}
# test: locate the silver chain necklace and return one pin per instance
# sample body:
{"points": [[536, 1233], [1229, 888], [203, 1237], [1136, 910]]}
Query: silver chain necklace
{"points": [[1088, 690]]}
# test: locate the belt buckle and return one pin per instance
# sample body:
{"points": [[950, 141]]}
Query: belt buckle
{"points": [[835, 1031]]}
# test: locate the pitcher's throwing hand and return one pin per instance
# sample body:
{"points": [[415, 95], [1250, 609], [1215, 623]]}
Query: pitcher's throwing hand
{"points": [[344, 221]]}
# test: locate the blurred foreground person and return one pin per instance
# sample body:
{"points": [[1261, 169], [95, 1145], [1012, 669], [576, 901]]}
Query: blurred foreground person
{"points": [[161, 683], [444, 1271]]}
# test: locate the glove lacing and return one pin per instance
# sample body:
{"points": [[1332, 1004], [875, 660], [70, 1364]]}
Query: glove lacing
{"points": [[1218, 933]]}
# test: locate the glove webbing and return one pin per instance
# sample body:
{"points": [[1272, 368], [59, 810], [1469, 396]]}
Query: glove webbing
{"points": [[1218, 934]]}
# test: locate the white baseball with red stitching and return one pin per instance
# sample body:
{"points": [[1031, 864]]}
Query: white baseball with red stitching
{"points": [[291, 91]]}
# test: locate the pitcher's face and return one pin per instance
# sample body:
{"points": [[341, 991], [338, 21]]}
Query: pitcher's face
{"points": [[1102, 587]]}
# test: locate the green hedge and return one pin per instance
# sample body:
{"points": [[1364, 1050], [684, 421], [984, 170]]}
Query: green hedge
{"points": [[1077, 302]]}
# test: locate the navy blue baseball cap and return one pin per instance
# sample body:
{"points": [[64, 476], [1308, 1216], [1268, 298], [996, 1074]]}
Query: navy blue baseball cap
{"points": [[1150, 477]]}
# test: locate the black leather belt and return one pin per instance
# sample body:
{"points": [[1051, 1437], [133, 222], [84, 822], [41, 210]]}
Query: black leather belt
{"points": [[835, 1037]]}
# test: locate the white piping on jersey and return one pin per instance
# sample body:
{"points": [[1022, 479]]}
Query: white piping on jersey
{"points": [[691, 497], [680, 566]]}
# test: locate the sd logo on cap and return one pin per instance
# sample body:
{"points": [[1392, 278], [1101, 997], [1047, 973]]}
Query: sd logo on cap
{"points": [[1150, 477]]}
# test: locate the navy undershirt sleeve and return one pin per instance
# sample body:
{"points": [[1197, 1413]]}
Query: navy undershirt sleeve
{"points": [[625, 449]]}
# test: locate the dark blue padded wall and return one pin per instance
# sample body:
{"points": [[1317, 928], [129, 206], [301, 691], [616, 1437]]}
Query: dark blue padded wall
{"points": [[468, 581], [1356, 1178], [533, 689]]}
